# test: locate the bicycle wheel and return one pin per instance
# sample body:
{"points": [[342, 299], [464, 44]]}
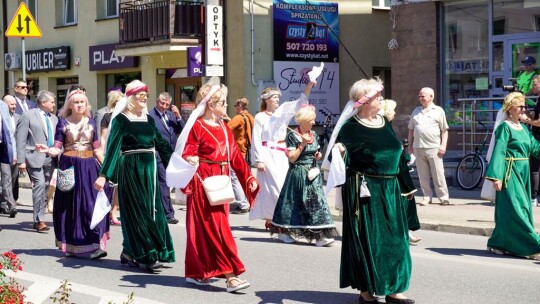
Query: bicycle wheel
{"points": [[470, 171]]}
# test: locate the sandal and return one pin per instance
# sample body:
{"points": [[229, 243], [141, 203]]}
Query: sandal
{"points": [[534, 256], [199, 282], [234, 284]]}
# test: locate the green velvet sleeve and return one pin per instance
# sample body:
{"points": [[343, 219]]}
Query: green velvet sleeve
{"points": [[114, 144], [535, 147]]}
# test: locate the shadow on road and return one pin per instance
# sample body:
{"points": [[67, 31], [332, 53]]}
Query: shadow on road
{"points": [[305, 296], [473, 252]]}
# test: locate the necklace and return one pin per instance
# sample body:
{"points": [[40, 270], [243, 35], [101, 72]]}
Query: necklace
{"points": [[376, 124], [310, 135], [221, 150], [517, 124]]}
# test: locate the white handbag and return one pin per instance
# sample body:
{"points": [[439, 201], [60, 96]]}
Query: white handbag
{"points": [[488, 191], [218, 189]]}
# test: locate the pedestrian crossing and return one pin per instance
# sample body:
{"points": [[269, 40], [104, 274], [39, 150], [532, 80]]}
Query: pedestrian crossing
{"points": [[41, 288]]}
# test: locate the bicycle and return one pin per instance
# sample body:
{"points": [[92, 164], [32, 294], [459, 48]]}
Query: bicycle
{"points": [[472, 167], [328, 126]]}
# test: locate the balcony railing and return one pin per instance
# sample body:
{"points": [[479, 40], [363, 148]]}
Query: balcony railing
{"points": [[142, 21]]}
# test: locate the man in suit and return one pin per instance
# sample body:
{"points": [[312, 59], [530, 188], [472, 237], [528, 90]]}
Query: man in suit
{"points": [[8, 157], [37, 126], [21, 95], [170, 124]]}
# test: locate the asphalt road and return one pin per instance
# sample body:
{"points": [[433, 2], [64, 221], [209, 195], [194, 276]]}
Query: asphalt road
{"points": [[447, 268]]}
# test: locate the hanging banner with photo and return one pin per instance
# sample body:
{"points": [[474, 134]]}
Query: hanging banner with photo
{"points": [[306, 32], [291, 78]]}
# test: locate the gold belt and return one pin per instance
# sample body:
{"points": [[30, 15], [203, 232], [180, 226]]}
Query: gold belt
{"points": [[79, 153], [508, 173]]}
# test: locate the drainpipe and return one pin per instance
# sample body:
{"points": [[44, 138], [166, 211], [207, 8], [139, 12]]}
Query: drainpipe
{"points": [[252, 45]]}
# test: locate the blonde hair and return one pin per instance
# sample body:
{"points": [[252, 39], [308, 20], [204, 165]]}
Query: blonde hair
{"points": [[219, 95], [511, 99], [263, 101], [305, 114], [362, 87], [66, 109], [389, 104], [112, 99]]}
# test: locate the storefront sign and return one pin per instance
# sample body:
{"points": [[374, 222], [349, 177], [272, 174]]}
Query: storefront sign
{"points": [[467, 66], [291, 78], [45, 60], [194, 61], [306, 32], [214, 38], [103, 57]]}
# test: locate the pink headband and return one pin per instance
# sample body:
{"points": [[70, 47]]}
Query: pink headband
{"points": [[76, 91], [378, 89], [136, 90]]}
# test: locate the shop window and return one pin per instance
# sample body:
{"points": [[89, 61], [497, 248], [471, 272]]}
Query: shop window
{"points": [[70, 12], [466, 57], [519, 16]]}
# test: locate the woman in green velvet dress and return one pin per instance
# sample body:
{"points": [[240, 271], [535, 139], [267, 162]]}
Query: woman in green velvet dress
{"points": [[508, 169], [131, 163], [302, 209], [375, 257]]}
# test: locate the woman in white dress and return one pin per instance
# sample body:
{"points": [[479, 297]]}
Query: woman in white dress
{"points": [[269, 149]]}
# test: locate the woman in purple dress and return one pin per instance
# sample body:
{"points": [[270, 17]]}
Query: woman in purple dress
{"points": [[76, 132]]}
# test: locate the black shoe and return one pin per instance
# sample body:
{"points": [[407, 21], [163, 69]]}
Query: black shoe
{"points": [[12, 212], [390, 300], [172, 221], [4, 210], [361, 300], [152, 268], [98, 254], [126, 259], [239, 210]]}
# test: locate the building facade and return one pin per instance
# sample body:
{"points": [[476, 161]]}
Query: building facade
{"points": [[464, 49], [105, 44]]}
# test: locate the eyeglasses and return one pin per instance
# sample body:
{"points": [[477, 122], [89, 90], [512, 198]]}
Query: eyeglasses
{"points": [[22, 87], [142, 95], [521, 107]]}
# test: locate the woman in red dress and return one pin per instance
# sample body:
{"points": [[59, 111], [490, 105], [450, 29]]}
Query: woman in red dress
{"points": [[211, 250]]}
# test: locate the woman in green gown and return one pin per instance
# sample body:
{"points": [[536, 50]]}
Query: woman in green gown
{"points": [[375, 257], [131, 163], [508, 169], [302, 209]]}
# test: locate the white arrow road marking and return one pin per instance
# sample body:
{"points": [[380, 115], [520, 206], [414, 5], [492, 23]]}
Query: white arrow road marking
{"points": [[43, 287]]}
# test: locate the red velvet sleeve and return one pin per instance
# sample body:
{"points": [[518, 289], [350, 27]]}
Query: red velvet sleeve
{"points": [[242, 169]]}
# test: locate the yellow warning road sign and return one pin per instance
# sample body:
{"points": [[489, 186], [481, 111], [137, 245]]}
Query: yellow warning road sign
{"points": [[23, 24]]}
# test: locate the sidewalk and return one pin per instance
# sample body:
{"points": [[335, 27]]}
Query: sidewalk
{"points": [[466, 214]]}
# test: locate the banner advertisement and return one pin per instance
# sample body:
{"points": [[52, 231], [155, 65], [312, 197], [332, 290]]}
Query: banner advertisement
{"points": [[291, 78], [306, 32]]}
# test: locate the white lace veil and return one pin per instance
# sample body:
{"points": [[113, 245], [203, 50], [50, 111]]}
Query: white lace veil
{"points": [[501, 117], [347, 113]]}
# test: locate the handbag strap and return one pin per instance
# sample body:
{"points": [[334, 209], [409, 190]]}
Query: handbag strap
{"points": [[227, 147]]}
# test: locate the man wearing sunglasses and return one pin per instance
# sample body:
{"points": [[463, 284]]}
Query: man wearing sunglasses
{"points": [[525, 78], [21, 95]]}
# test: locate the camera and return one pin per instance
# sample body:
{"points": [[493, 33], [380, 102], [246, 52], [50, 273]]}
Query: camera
{"points": [[512, 87]]}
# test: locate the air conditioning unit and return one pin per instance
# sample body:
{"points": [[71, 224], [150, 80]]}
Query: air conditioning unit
{"points": [[12, 61]]}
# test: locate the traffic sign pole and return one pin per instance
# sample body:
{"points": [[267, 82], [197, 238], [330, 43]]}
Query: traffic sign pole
{"points": [[23, 59]]}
